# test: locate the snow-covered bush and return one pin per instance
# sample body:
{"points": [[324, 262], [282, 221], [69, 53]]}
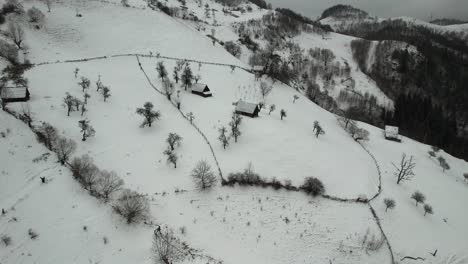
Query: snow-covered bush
{"points": [[203, 175], [133, 206], [313, 186], [64, 148], [12, 6], [233, 48], [85, 172], [443, 163], [35, 16], [247, 177], [108, 184], [372, 242], [16, 33], [47, 134]]}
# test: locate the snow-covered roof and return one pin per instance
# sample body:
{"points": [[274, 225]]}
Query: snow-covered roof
{"points": [[258, 68], [13, 92], [246, 107], [199, 87], [391, 131]]}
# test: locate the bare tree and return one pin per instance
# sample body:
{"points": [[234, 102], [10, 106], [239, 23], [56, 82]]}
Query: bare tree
{"points": [[272, 108], [166, 247], [105, 92], [313, 186], [265, 89], [133, 206], [418, 197], [223, 137], [428, 209], [318, 129], [109, 183], [389, 204], [404, 171], [8, 51], [191, 117], [236, 120], [84, 83], [86, 96], [173, 140], [168, 87], [26, 115], [161, 69], [48, 135], [86, 129], [187, 76], [16, 33], [295, 98], [171, 157], [443, 163], [86, 172], [69, 102], [203, 176], [64, 148], [283, 114], [149, 114]]}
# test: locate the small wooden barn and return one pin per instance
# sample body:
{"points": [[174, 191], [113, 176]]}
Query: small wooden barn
{"points": [[201, 90], [247, 109], [14, 94], [392, 133], [258, 70]]}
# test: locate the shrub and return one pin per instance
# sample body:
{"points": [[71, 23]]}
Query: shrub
{"points": [[85, 172], [35, 15], [389, 204], [418, 197], [166, 247], [428, 209], [133, 206], [32, 234], [465, 175], [313, 186], [6, 240], [372, 242], [64, 148], [233, 48]]}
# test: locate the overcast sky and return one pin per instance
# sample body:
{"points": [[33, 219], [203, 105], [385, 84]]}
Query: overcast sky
{"points": [[421, 9]]}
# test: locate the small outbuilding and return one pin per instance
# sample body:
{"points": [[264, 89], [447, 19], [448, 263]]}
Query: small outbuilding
{"points": [[201, 89], [247, 109], [258, 70], [392, 133], [14, 94]]}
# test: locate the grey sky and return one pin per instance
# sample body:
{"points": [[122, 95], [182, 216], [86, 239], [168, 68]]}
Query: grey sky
{"points": [[421, 9]]}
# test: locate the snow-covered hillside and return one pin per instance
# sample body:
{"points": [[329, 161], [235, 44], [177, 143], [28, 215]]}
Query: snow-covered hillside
{"points": [[225, 224]]}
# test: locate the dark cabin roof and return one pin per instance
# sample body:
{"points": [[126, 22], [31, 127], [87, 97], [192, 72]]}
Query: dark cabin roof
{"points": [[245, 107], [199, 87], [14, 93]]}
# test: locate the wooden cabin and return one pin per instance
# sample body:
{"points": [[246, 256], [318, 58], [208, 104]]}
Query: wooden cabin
{"points": [[247, 109], [14, 94], [201, 90], [392, 133]]}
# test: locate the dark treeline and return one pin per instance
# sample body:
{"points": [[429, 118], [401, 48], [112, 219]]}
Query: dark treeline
{"points": [[418, 117], [430, 79]]}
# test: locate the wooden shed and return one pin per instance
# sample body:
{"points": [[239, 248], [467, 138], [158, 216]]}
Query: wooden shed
{"points": [[201, 89], [392, 133], [247, 109], [14, 94]]}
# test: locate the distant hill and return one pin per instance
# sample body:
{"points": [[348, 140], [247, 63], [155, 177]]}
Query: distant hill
{"points": [[447, 22], [344, 11]]}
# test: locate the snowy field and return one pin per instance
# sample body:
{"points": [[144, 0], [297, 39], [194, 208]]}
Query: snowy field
{"points": [[232, 224]]}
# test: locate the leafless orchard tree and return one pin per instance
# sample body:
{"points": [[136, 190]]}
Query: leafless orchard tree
{"points": [[132, 206], [203, 175], [16, 33], [404, 171], [64, 148]]}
